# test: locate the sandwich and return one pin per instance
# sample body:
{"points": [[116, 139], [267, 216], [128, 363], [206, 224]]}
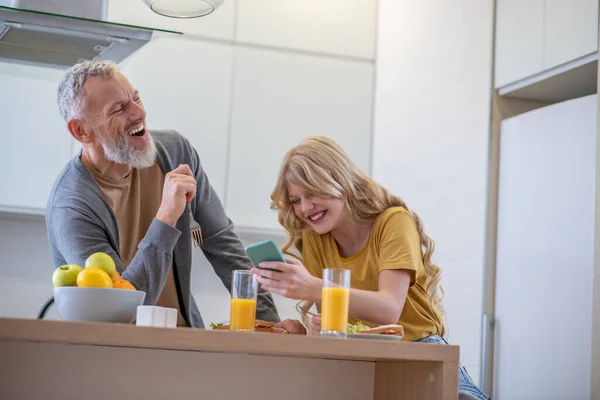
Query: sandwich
{"points": [[259, 326], [394, 330]]}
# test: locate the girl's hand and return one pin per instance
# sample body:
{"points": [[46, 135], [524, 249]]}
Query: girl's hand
{"points": [[315, 325], [292, 326], [293, 282]]}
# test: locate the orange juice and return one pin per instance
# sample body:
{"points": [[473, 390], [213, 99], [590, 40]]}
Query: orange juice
{"points": [[243, 315], [334, 309]]}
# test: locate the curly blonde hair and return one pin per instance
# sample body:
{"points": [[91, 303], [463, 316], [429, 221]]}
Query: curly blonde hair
{"points": [[320, 166]]}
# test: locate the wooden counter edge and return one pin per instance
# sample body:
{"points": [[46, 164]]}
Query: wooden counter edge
{"points": [[123, 335]]}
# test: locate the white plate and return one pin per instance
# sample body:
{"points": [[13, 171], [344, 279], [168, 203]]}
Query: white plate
{"points": [[394, 338]]}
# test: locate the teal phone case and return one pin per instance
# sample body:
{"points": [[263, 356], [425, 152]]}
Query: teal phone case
{"points": [[263, 251]]}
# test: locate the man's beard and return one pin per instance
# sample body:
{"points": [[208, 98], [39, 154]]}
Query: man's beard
{"points": [[119, 150]]}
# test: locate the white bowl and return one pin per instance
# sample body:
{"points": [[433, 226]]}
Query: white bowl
{"points": [[97, 304]]}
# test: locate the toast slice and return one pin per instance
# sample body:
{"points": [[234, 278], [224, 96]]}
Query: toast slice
{"points": [[396, 330], [259, 326]]}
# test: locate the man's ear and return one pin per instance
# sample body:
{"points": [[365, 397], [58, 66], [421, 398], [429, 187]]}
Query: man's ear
{"points": [[80, 130]]}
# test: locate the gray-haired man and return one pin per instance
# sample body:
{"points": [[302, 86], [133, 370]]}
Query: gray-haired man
{"points": [[132, 195]]}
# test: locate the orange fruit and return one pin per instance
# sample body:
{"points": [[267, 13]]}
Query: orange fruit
{"points": [[94, 277], [120, 283], [123, 284]]}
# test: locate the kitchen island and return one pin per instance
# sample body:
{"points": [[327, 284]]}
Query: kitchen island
{"points": [[72, 360]]}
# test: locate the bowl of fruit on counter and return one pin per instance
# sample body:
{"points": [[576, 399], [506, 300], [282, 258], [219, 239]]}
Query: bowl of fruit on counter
{"points": [[95, 293]]}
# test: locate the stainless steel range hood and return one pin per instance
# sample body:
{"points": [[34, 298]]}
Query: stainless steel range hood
{"points": [[34, 37]]}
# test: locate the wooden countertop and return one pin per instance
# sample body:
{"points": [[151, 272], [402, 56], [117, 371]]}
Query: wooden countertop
{"points": [[122, 335]]}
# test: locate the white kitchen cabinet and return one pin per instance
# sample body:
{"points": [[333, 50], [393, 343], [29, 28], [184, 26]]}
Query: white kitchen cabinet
{"points": [[341, 27], [185, 85], [280, 98], [570, 30], [519, 39], [35, 143], [219, 24], [545, 253], [533, 36]]}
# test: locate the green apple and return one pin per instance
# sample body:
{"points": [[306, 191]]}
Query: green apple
{"points": [[104, 262], [66, 275]]}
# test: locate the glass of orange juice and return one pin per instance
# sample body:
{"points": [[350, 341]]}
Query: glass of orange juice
{"points": [[244, 290], [335, 301]]}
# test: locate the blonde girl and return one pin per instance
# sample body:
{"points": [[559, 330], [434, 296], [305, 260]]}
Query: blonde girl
{"points": [[338, 217]]}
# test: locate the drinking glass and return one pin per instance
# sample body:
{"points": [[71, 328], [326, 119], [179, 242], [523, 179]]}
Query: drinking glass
{"points": [[335, 301], [244, 290]]}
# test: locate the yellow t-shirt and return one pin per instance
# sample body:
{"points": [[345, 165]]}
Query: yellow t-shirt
{"points": [[394, 243]]}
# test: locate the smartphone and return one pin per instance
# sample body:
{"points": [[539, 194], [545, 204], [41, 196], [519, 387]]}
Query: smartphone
{"points": [[263, 251]]}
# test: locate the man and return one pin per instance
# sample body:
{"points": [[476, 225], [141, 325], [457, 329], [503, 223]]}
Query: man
{"points": [[133, 194]]}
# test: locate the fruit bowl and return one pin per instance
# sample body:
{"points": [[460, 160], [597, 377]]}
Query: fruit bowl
{"points": [[93, 304]]}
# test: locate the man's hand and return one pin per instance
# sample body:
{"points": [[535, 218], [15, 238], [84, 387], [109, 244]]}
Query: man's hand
{"points": [[178, 190]]}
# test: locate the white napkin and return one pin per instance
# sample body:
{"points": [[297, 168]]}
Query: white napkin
{"points": [[156, 316]]}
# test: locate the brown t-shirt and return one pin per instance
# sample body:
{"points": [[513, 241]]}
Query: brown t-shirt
{"points": [[125, 197]]}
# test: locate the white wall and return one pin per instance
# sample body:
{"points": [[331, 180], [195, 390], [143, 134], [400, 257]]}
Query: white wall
{"points": [[434, 64]]}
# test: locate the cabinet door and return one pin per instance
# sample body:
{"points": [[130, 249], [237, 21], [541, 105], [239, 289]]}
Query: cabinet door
{"points": [[35, 142], [278, 99], [545, 252], [570, 30], [342, 27], [519, 40], [185, 85]]}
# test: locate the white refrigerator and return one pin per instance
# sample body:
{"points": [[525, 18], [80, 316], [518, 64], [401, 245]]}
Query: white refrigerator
{"points": [[544, 264]]}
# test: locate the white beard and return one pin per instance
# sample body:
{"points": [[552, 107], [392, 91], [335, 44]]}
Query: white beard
{"points": [[119, 150]]}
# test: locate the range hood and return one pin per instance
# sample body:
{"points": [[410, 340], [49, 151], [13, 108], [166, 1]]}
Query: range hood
{"points": [[35, 37]]}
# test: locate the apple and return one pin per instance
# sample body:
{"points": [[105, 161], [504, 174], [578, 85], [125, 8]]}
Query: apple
{"points": [[66, 275], [104, 262]]}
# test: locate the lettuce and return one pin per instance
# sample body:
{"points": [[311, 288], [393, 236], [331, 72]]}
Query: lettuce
{"points": [[359, 326]]}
